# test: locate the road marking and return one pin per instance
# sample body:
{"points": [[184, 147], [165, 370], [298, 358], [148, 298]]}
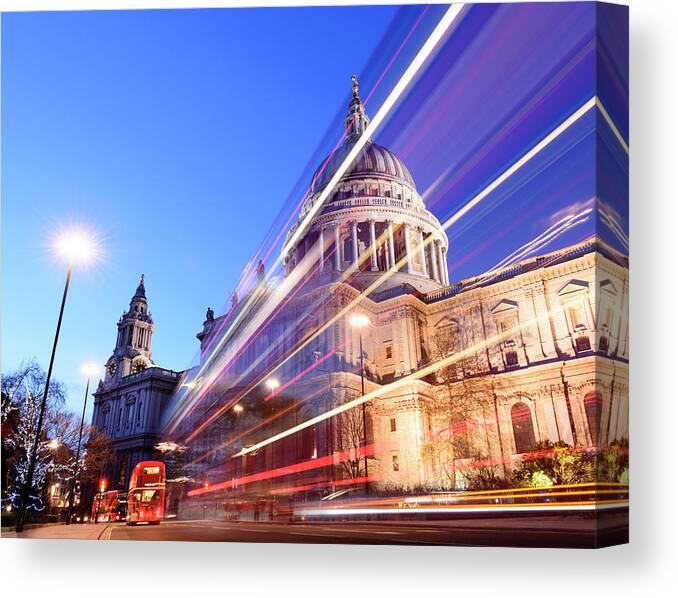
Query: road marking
{"points": [[106, 533]]}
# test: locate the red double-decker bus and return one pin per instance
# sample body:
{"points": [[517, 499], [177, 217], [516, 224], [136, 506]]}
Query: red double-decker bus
{"points": [[146, 496], [109, 506]]}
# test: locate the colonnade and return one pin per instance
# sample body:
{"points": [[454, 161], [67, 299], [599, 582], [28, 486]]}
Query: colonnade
{"points": [[422, 256]]}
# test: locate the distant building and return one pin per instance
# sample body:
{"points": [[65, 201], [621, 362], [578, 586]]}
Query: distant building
{"points": [[129, 400]]}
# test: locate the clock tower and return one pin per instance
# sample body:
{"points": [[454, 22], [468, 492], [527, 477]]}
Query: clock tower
{"points": [[132, 353], [129, 401]]}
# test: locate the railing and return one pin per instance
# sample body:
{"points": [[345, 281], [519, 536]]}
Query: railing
{"points": [[155, 371]]}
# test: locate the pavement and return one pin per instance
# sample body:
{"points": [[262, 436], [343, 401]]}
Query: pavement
{"points": [[81, 531], [553, 531]]}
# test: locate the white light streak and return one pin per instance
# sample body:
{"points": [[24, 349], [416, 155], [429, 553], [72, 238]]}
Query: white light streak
{"points": [[429, 45]]}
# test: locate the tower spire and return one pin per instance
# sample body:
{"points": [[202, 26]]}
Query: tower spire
{"points": [[356, 120], [132, 351]]}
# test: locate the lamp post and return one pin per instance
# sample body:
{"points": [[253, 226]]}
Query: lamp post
{"points": [[76, 248], [89, 370], [272, 384], [360, 321], [329, 432]]}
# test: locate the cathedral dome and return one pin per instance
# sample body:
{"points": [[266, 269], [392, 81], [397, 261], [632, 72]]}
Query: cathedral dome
{"points": [[370, 222], [373, 160]]}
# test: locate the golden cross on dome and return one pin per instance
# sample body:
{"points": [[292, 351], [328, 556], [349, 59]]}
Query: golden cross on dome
{"points": [[355, 85]]}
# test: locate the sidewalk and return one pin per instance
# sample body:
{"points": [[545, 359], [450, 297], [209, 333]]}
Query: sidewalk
{"points": [[81, 531]]}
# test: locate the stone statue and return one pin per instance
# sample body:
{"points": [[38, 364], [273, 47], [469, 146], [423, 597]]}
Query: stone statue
{"points": [[355, 85], [209, 316]]}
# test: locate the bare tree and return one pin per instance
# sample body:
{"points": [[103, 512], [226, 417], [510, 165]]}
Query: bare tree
{"points": [[98, 452], [457, 408], [350, 438]]}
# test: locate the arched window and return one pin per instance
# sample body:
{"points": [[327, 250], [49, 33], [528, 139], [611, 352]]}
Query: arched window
{"points": [[593, 405], [523, 431]]}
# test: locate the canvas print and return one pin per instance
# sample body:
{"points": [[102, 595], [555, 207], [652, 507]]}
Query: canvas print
{"points": [[347, 274]]}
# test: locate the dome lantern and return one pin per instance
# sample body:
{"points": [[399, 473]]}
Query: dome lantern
{"points": [[356, 120]]}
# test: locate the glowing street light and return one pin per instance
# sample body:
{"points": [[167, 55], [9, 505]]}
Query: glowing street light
{"points": [[89, 370], [77, 247], [359, 322], [238, 408], [54, 444], [272, 384]]}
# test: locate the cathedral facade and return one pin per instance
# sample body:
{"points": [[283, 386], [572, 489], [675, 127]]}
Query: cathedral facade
{"points": [[459, 375]]}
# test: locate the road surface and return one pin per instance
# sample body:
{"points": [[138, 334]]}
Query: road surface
{"points": [[555, 530]]}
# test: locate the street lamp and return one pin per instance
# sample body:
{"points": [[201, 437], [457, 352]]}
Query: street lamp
{"points": [[272, 384], [360, 321], [89, 370], [77, 248], [237, 408], [54, 444], [329, 432]]}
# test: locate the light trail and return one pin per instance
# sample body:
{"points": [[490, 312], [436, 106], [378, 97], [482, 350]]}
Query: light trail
{"points": [[301, 374], [360, 452], [559, 130], [535, 245], [553, 135], [325, 484], [428, 47], [278, 414], [252, 386], [397, 53], [343, 136], [542, 238], [613, 126], [455, 217], [218, 372], [385, 389], [507, 129], [516, 508]]}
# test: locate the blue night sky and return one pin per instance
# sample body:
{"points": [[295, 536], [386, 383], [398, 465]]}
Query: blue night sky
{"points": [[186, 139]]}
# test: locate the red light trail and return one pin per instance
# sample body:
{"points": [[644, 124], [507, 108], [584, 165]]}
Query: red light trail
{"points": [[361, 452]]}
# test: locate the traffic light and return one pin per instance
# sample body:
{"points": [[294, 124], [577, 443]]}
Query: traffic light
{"points": [[103, 484]]}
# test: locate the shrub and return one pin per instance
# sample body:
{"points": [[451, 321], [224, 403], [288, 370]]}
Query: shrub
{"points": [[559, 462]]}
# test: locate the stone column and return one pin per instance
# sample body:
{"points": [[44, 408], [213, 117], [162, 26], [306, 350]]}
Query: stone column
{"points": [[354, 234], [446, 275], [337, 248], [408, 249], [391, 246], [434, 259], [422, 253], [321, 246], [373, 246]]}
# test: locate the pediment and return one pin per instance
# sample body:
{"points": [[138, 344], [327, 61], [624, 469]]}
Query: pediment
{"points": [[608, 287], [505, 305], [574, 287], [446, 321]]}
